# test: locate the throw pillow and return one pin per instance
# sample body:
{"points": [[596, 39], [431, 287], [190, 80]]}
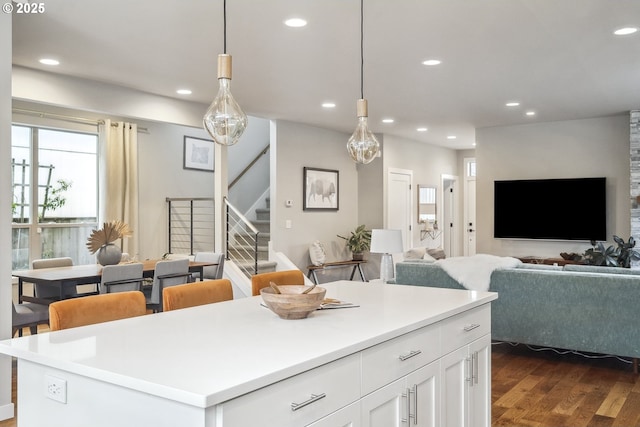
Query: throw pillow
{"points": [[437, 253], [317, 253], [415, 253], [428, 257]]}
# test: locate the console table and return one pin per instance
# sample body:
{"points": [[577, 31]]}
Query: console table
{"points": [[236, 364], [338, 264]]}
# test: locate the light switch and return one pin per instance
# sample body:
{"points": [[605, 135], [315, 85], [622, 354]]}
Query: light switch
{"points": [[287, 223]]}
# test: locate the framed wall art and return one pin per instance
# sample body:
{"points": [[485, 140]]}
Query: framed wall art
{"points": [[321, 189], [198, 154]]}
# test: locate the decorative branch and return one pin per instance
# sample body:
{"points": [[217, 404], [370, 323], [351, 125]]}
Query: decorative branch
{"points": [[109, 233]]}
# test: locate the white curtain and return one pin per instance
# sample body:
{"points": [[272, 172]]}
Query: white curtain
{"points": [[119, 179]]}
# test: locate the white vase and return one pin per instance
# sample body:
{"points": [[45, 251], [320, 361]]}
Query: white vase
{"points": [[109, 254]]}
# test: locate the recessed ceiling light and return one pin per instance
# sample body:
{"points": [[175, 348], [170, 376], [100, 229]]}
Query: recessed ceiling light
{"points": [[387, 120], [530, 113], [625, 31], [421, 129], [451, 137], [432, 62], [328, 105], [49, 61], [512, 104], [295, 22], [183, 91]]}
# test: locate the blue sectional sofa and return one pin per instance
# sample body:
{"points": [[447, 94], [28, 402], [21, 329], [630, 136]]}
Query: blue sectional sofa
{"points": [[578, 307]]}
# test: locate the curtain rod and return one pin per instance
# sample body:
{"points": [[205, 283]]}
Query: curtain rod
{"points": [[82, 120]]}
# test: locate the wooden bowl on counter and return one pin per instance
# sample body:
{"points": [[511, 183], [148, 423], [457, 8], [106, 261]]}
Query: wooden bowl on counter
{"points": [[291, 303]]}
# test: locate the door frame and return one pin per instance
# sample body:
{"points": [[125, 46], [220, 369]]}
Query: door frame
{"points": [[450, 214]]}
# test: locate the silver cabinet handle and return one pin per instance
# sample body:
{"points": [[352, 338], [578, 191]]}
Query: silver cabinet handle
{"points": [[471, 327], [415, 404], [476, 367], [314, 398], [469, 365], [409, 355]]}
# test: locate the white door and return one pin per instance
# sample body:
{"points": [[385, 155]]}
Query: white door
{"points": [[449, 215], [470, 207], [399, 208]]}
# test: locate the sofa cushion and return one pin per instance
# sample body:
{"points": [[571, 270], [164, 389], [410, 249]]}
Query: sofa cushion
{"points": [[415, 253], [600, 269], [437, 253], [529, 266]]}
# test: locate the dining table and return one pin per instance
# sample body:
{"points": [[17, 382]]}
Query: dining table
{"points": [[62, 278]]}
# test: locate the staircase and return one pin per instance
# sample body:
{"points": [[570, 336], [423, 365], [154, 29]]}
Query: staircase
{"points": [[243, 243]]}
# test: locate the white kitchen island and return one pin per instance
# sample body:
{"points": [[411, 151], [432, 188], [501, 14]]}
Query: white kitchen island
{"points": [[405, 352]]}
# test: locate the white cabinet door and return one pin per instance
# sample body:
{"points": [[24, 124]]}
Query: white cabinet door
{"points": [[413, 400], [424, 387], [455, 388], [466, 385], [386, 407], [480, 390], [348, 416]]}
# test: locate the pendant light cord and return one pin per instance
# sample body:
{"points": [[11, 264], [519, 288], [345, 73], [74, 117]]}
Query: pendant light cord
{"points": [[361, 49], [224, 25]]}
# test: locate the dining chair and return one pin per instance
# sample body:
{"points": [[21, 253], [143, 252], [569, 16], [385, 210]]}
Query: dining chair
{"points": [[167, 273], [196, 293], [214, 271], [43, 291], [280, 278], [74, 312], [28, 315], [121, 278]]}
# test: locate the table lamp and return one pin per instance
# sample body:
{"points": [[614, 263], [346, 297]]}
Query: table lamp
{"points": [[386, 242]]}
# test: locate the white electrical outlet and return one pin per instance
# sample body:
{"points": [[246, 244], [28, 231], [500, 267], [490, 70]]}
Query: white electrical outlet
{"points": [[56, 389]]}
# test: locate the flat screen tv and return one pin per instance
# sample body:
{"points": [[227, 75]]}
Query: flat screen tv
{"points": [[551, 209]]}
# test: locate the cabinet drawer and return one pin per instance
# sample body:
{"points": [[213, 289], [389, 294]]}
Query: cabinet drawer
{"points": [[463, 328], [390, 360], [338, 381]]}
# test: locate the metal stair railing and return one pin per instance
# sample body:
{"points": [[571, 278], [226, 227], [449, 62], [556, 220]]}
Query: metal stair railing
{"points": [[242, 236], [191, 224]]}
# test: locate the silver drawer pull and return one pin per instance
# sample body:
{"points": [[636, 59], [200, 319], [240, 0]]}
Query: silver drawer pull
{"points": [[314, 398], [411, 354], [471, 327]]}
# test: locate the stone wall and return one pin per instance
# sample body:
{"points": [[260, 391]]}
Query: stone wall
{"points": [[635, 174]]}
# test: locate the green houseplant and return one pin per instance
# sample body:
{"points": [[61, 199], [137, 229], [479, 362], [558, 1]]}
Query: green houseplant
{"points": [[358, 242], [612, 256]]}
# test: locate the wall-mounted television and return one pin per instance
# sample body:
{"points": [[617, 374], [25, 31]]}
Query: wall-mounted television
{"points": [[551, 209]]}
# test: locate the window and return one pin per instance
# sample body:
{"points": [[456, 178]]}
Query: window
{"points": [[55, 204]]}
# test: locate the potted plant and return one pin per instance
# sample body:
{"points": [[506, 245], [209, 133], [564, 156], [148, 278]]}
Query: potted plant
{"points": [[612, 256], [358, 242], [101, 241]]}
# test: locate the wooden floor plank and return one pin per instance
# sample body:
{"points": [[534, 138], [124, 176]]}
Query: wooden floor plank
{"points": [[614, 400]]}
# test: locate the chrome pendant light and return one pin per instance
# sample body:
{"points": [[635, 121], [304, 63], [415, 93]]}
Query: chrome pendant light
{"points": [[224, 120], [363, 146]]}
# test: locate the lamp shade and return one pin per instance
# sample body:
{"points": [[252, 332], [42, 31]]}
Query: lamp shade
{"points": [[386, 241]]}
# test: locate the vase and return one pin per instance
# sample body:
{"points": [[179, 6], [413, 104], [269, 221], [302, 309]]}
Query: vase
{"points": [[109, 254], [357, 256]]}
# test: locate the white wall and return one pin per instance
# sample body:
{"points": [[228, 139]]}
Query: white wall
{"points": [[295, 146], [428, 163], [6, 407], [567, 149]]}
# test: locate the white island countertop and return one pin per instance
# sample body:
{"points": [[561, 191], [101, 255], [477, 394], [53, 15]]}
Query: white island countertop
{"points": [[206, 355]]}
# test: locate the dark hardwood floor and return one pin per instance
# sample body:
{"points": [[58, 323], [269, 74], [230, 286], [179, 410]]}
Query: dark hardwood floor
{"points": [[542, 388], [545, 389]]}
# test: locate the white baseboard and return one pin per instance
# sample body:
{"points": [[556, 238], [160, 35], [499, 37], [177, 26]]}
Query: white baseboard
{"points": [[7, 411]]}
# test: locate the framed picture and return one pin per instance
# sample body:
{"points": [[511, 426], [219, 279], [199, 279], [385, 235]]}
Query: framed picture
{"points": [[198, 154], [321, 190]]}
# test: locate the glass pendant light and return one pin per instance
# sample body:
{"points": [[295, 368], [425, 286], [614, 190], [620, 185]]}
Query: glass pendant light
{"points": [[363, 146], [224, 120]]}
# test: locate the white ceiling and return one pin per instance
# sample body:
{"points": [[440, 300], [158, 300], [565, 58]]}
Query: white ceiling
{"points": [[556, 57]]}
